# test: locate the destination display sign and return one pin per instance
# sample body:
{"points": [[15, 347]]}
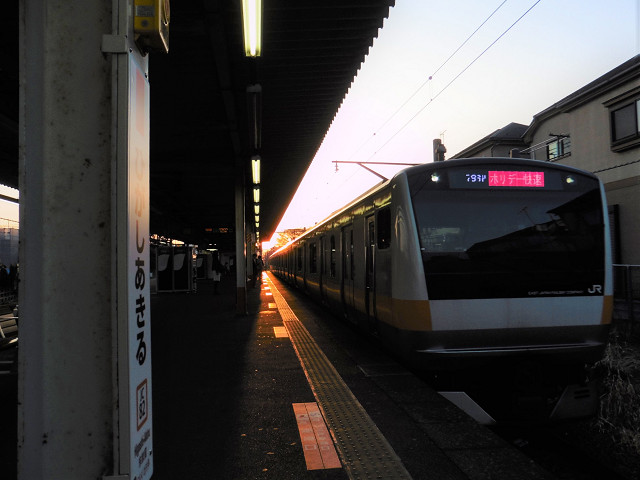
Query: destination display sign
{"points": [[489, 178]]}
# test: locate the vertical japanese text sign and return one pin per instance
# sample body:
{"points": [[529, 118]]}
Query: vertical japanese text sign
{"points": [[138, 298]]}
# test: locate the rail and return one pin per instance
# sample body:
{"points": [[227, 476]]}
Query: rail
{"points": [[626, 291]]}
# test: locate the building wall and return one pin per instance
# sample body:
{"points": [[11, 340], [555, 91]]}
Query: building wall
{"points": [[627, 197], [9, 246], [589, 128]]}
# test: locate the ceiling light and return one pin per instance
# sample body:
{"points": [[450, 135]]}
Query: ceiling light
{"points": [[252, 23], [256, 195], [255, 169]]}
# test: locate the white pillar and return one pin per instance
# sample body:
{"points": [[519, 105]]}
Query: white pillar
{"points": [[70, 412], [65, 363], [241, 246]]}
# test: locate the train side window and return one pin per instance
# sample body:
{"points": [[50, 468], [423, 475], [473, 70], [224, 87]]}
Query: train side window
{"points": [[384, 228], [352, 265], [345, 255], [313, 258], [332, 271], [299, 258]]}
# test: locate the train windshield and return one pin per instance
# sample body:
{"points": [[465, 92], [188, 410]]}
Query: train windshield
{"points": [[503, 240]]}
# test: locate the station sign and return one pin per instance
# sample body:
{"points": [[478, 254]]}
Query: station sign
{"points": [[140, 432]]}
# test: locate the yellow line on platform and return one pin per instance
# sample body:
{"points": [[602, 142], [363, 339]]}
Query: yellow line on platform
{"points": [[364, 451]]}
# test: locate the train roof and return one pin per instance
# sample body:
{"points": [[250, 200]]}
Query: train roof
{"points": [[333, 214], [494, 161]]}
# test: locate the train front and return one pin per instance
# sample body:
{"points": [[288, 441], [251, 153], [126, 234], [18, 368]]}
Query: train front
{"points": [[516, 260]]}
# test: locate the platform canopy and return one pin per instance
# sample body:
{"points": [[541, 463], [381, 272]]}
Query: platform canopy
{"points": [[213, 108]]}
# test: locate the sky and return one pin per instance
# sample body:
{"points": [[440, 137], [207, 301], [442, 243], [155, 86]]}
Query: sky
{"points": [[458, 70]]}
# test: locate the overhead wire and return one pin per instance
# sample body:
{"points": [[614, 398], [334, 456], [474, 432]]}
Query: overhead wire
{"points": [[455, 78], [430, 78], [442, 66], [445, 87]]}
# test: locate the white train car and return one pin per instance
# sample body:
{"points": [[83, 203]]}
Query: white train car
{"points": [[466, 261]]}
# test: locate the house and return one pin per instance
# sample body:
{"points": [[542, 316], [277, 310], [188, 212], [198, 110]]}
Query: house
{"points": [[502, 143], [596, 128]]}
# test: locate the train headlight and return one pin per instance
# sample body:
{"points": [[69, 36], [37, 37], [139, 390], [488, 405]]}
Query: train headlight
{"points": [[570, 180], [435, 177]]}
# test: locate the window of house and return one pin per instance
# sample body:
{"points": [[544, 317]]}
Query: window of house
{"points": [[559, 148], [625, 127]]}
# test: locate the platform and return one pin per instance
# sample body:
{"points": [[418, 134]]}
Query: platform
{"points": [[240, 397]]}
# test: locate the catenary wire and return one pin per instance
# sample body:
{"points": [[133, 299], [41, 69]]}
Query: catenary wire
{"points": [[427, 80], [454, 79], [446, 86]]}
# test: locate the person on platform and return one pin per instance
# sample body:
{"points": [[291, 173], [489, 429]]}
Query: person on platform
{"points": [[257, 269]]}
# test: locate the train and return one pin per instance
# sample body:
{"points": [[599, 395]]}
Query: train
{"points": [[458, 263]]}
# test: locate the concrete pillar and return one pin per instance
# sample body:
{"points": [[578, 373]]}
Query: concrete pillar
{"points": [[241, 246], [73, 416], [65, 357]]}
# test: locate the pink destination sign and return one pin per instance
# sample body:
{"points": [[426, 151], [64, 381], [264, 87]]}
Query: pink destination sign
{"points": [[499, 178]]}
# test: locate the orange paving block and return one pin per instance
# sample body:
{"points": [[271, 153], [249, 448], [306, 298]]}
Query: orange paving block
{"points": [[280, 332], [317, 446]]}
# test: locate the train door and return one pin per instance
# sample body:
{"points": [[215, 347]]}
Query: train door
{"points": [[370, 279], [298, 267], [323, 270], [305, 265], [347, 271]]}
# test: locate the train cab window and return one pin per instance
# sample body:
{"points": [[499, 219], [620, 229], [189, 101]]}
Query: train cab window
{"points": [[313, 258], [442, 239], [332, 266], [384, 228], [511, 243]]}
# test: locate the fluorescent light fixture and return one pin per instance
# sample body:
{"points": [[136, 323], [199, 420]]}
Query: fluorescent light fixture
{"points": [[256, 209], [252, 24], [255, 169], [256, 195], [257, 217]]}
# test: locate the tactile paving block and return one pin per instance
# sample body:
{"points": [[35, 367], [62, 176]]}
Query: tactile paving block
{"points": [[364, 451]]}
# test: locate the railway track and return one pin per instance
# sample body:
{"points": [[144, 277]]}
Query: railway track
{"points": [[570, 450], [554, 448]]}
